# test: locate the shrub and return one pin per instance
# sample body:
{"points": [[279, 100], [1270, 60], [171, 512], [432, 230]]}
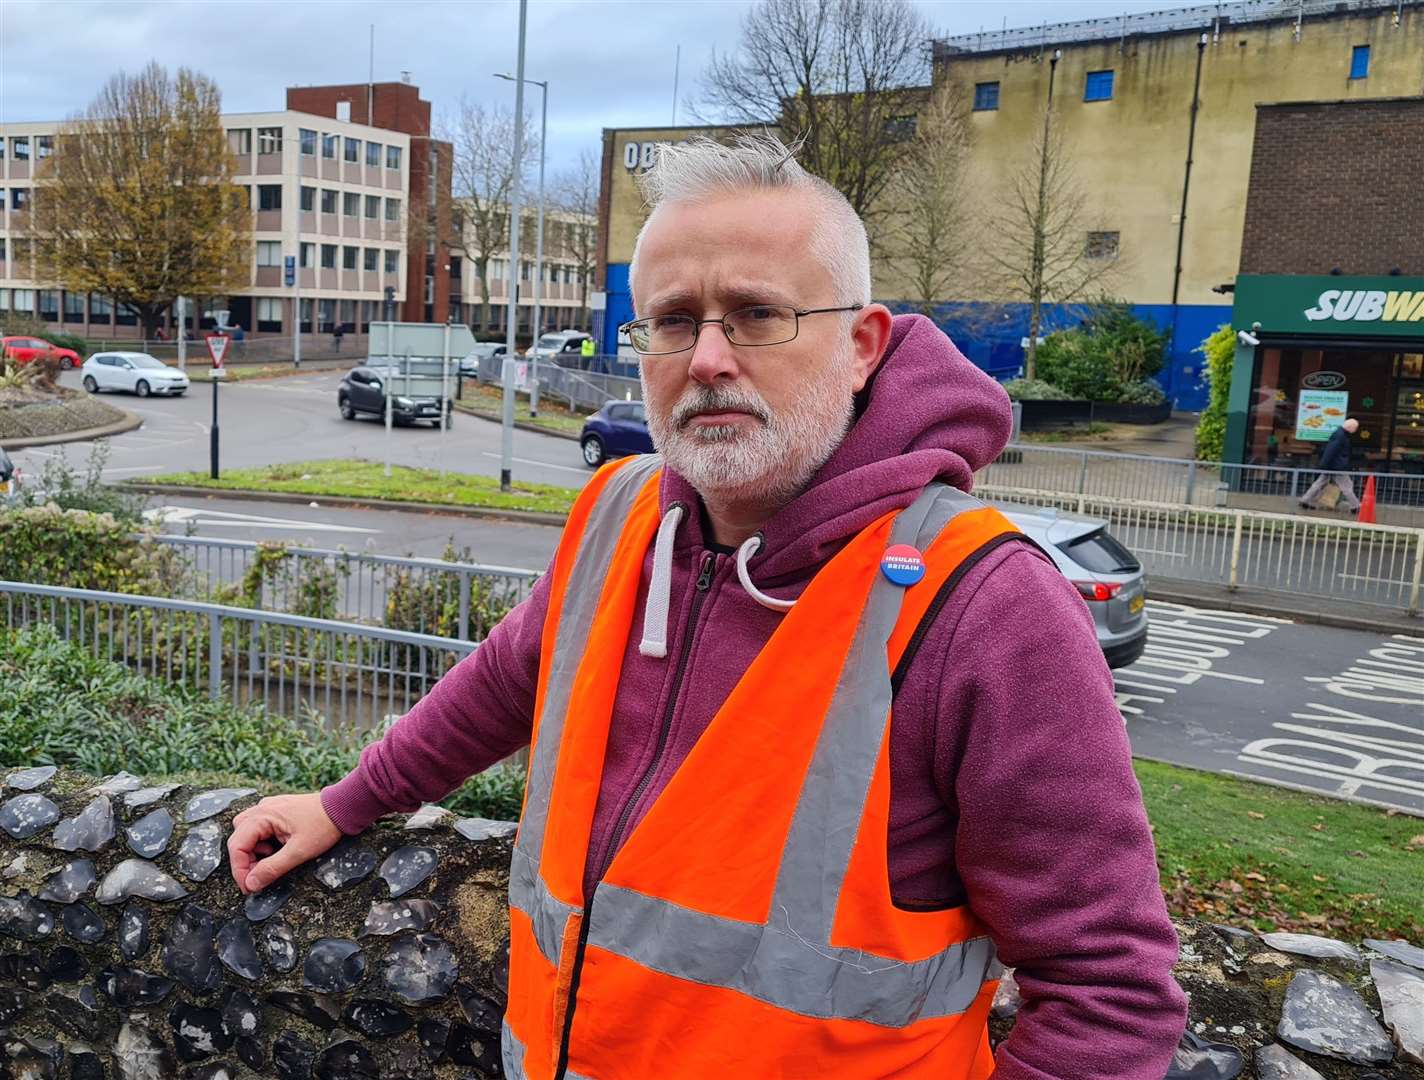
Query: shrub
{"points": [[61, 486], [29, 326], [1141, 392], [1034, 390], [61, 706], [1220, 351], [1110, 350], [78, 549]]}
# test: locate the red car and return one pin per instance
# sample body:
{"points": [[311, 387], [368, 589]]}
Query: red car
{"points": [[25, 349]]}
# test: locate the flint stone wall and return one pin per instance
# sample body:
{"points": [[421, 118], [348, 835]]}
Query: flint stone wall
{"points": [[127, 953]]}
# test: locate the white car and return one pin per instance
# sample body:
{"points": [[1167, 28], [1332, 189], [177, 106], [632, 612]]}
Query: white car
{"points": [[136, 372]]}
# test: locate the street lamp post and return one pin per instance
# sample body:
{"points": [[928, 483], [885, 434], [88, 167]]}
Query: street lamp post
{"points": [[506, 449], [536, 322]]}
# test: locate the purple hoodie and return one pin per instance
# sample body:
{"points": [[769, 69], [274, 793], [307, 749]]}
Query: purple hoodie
{"points": [[1011, 779]]}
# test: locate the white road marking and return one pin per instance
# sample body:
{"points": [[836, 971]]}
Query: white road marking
{"points": [[135, 468], [187, 515]]}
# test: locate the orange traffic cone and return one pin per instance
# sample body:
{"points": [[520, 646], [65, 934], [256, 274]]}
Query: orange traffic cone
{"points": [[1367, 503]]}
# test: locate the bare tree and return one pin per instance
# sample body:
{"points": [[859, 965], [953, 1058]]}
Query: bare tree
{"points": [[927, 223], [137, 200], [845, 76], [576, 193], [1041, 250], [482, 185]]}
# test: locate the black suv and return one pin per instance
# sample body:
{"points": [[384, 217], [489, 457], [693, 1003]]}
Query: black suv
{"points": [[362, 390]]}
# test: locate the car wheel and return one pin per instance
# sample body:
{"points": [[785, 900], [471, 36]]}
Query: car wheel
{"points": [[141, 389], [594, 452], [90, 384], [65, 363], [347, 412]]}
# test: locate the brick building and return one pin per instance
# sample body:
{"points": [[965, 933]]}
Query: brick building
{"points": [[399, 107], [1330, 296]]}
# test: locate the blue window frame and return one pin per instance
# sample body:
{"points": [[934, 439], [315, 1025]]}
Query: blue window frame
{"points": [[1099, 86], [986, 96], [1360, 62]]}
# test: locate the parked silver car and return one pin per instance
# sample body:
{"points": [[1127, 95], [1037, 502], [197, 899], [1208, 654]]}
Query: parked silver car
{"points": [[1107, 576]]}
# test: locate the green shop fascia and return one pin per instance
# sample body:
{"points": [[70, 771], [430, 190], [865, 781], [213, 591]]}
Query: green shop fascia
{"points": [[1311, 351]]}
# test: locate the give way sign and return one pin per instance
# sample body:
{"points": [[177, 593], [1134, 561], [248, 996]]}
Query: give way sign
{"points": [[217, 347]]}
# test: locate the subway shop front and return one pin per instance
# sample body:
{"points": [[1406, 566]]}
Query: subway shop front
{"points": [[1311, 351]]}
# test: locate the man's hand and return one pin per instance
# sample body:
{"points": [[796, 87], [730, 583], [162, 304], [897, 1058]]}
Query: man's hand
{"points": [[278, 834]]}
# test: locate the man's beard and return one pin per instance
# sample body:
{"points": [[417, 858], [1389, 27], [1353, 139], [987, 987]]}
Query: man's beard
{"points": [[770, 460]]}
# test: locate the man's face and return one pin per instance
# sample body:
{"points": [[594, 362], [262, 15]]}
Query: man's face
{"points": [[747, 422]]}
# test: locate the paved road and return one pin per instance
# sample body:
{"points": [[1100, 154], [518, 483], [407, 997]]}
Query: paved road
{"points": [[1336, 711], [1333, 710], [293, 419]]}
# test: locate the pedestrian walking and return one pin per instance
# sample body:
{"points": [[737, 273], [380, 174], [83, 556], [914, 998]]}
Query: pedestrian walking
{"points": [[803, 765], [1334, 468], [337, 329]]}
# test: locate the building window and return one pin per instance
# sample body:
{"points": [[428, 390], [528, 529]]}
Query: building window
{"points": [[348, 312], [393, 156], [328, 147], [308, 254], [986, 96], [24, 301], [2, 249], [99, 307], [328, 201], [392, 209], [49, 305], [269, 313], [370, 260], [430, 290], [1098, 86], [1359, 63], [373, 155], [239, 140], [21, 147], [2, 148], [900, 128], [308, 138], [73, 307], [373, 207], [348, 258], [1101, 245], [392, 261], [269, 196], [44, 144], [350, 203], [269, 253], [328, 256], [269, 140], [19, 198], [308, 198], [353, 151]]}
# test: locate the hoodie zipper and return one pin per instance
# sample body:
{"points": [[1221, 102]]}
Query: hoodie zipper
{"points": [[704, 584]]}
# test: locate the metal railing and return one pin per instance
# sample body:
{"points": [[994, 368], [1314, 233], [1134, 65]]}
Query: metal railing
{"points": [[424, 596], [582, 390], [1178, 480], [342, 673], [1247, 549]]}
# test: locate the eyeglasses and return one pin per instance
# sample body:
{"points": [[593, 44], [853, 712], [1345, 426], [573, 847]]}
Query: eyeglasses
{"points": [[761, 324]]}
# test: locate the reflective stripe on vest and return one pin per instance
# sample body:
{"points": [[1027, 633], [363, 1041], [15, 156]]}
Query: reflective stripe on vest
{"points": [[758, 901]]}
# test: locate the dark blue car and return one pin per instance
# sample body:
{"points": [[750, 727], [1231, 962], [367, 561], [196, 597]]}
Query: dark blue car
{"points": [[620, 427]]}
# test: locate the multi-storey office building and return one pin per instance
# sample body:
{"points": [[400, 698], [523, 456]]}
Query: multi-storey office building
{"points": [[331, 193], [565, 290]]}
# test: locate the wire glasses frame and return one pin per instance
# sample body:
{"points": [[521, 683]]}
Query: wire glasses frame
{"points": [[753, 327]]}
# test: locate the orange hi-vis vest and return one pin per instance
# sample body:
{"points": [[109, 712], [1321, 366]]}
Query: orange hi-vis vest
{"points": [[745, 927]]}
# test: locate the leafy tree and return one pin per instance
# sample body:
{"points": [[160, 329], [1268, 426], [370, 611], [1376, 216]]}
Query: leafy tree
{"points": [[1108, 356], [844, 76], [1220, 352], [576, 192], [137, 201]]}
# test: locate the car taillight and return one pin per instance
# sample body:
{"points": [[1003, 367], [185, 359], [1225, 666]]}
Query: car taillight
{"points": [[1098, 590]]}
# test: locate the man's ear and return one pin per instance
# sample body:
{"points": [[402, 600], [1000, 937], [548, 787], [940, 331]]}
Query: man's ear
{"points": [[870, 337]]}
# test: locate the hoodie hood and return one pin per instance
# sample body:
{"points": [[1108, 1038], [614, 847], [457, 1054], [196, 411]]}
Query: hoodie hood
{"points": [[926, 414]]}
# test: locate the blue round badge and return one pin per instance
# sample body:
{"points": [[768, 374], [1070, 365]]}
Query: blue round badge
{"points": [[902, 564]]}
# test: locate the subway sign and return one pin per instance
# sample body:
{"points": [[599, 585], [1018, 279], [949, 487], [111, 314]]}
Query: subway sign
{"points": [[1330, 306]]}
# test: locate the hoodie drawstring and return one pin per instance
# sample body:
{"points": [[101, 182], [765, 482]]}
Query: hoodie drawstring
{"points": [[655, 616], [656, 613], [746, 551]]}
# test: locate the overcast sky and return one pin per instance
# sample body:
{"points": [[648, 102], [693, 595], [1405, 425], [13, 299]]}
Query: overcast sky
{"points": [[609, 63]]}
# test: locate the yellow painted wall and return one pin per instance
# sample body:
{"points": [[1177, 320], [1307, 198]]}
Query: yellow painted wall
{"points": [[1130, 153]]}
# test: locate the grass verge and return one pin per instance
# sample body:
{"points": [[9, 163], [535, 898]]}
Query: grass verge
{"points": [[246, 372], [484, 398], [354, 478], [1234, 851]]}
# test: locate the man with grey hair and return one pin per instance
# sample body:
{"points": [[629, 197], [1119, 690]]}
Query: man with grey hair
{"points": [[817, 740]]}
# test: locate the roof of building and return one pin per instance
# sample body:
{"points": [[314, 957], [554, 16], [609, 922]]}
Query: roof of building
{"points": [[1172, 21]]}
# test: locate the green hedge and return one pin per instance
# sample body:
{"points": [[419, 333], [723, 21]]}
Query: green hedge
{"points": [[61, 706], [1220, 352], [1107, 358]]}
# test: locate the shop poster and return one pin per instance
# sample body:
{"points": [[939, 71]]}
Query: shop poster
{"points": [[1319, 413]]}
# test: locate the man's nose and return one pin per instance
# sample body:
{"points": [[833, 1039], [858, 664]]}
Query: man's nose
{"points": [[713, 356]]}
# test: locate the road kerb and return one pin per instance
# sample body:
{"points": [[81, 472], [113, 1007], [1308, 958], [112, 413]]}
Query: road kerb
{"points": [[129, 422], [522, 425]]}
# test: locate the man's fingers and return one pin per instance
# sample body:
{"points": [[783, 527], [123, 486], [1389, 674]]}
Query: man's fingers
{"points": [[247, 836], [274, 866]]}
